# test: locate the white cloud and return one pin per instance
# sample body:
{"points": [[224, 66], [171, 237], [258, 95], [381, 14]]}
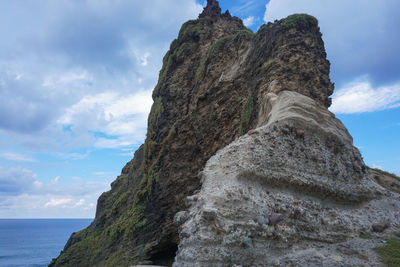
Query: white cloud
{"points": [[73, 155], [54, 202], [37, 184], [377, 166], [79, 203], [56, 67], [360, 96], [106, 174], [16, 157], [248, 21], [55, 180], [67, 79], [14, 181], [121, 118], [22, 195], [58, 95], [143, 59]]}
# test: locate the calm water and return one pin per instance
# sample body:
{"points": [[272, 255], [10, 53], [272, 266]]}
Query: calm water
{"points": [[34, 242]]}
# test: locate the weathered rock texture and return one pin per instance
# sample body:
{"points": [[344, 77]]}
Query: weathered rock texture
{"points": [[218, 81], [385, 179], [294, 192]]}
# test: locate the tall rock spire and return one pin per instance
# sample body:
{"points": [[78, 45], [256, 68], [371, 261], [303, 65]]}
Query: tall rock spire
{"points": [[211, 10], [220, 81]]}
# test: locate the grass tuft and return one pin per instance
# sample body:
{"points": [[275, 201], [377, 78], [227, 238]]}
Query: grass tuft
{"points": [[364, 235], [299, 20], [267, 63], [390, 253]]}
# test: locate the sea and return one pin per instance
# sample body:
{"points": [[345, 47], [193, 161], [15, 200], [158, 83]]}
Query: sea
{"points": [[34, 242]]}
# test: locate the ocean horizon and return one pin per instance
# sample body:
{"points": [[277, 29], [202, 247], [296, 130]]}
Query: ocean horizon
{"points": [[35, 242]]}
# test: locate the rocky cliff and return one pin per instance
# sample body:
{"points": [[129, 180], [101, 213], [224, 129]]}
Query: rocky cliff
{"points": [[292, 192], [239, 125]]}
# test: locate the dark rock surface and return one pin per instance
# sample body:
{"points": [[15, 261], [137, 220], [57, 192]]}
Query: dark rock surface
{"points": [[210, 91], [212, 10]]}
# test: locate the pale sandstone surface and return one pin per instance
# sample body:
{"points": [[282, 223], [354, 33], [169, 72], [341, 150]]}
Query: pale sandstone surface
{"points": [[296, 192]]}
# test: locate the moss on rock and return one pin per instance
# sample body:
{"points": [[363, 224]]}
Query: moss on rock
{"points": [[267, 63], [191, 30], [218, 45], [247, 113], [299, 20], [167, 63], [390, 253]]}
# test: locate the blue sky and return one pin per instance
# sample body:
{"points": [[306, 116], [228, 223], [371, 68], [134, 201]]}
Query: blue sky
{"points": [[76, 80]]}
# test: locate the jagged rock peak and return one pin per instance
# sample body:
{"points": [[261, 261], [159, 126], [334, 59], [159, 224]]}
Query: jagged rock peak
{"points": [[211, 10], [218, 81]]}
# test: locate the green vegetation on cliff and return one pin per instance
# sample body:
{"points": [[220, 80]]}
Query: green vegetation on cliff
{"points": [[299, 20], [216, 47], [167, 63], [267, 63], [154, 115], [134, 219], [192, 29], [247, 113], [109, 237], [390, 253], [186, 43]]}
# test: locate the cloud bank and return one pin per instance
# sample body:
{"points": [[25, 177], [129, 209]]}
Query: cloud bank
{"points": [[75, 84], [360, 96], [23, 195], [248, 21], [63, 54]]}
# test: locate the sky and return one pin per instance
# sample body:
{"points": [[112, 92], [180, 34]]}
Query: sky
{"points": [[76, 78]]}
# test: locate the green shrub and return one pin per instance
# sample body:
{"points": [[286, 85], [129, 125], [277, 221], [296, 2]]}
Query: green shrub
{"points": [[167, 63], [146, 184], [215, 49], [261, 28], [171, 133], [220, 43], [217, 45], [299, 20], [267, 63], [155, 113], [179, 49], [364, 235], [201, 71], [173, 45], [191, 29], [246, 33], [181, 52], [97, 244], [120, 203], [390, 253]]}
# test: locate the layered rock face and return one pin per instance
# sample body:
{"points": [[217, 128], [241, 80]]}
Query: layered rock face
{"points": [[218, 81], [292, 192]]}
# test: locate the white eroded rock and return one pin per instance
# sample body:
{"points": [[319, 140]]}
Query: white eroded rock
{"points": [[295, 191]]}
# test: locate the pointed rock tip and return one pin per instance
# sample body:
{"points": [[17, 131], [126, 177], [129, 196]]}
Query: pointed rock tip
{"points": [[211, 10]]}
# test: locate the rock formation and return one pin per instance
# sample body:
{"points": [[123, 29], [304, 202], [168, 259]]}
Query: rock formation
{"points": [[239, 131], [292, 192]]}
